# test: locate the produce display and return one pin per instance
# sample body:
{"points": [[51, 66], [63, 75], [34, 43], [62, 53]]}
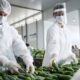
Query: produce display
{"points": [[56, 72]]}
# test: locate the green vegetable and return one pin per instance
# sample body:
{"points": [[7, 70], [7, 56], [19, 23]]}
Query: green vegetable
{"points": [[63, 77], [56, 72], [28, 78]]}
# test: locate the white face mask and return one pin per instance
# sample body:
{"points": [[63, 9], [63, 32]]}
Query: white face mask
{"points": [[60, 19]]}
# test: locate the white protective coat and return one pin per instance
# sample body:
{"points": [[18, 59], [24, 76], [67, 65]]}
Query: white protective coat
{"points": [[58, 46], [11, 44]]}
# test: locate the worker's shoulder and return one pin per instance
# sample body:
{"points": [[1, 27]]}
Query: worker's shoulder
{"points": [[12, 29], [53, 27]]}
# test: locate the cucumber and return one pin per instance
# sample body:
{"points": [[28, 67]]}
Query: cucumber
{"points": [[63, 77], [68, 68], [11, 77], [21, 77], [68, 73], [1, 78], [27, 78], [39, 78]]}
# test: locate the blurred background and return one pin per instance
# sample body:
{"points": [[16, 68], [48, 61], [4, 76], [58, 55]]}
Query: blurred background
{"points": [[32, 18]]}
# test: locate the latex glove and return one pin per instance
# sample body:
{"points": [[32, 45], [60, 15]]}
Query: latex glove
{"points": [[74, 58], [30, 68], [13, 67], [52, 60], [28, 60]]}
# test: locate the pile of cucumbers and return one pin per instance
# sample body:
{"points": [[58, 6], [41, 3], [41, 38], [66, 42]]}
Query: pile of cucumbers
{"points": [[56, 72]]}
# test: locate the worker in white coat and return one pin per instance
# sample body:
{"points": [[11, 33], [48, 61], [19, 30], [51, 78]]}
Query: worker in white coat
{"points": [[11, 43], [58, 40]]}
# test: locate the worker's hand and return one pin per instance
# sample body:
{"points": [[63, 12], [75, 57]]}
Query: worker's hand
{"points": [[75, 60], [28, 60], [73, 57], [52, 60], [50, 63], [14, 67], [30, 68]]}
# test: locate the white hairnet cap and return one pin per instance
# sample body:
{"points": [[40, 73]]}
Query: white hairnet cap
{"points": [[61, 7], [5, 6]]}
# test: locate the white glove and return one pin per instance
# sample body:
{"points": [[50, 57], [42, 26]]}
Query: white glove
{"points": [[29, 63], [74, 58], [30, 67], [28, 60], [3, 60], [52, 59], [13, 67]]}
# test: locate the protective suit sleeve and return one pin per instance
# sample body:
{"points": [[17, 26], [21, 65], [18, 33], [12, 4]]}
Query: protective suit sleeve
{"points": [[8, 65], [53, 42], [52, 47], [20, 49], [4, 61]]}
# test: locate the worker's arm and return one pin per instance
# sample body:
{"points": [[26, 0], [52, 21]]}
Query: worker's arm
{"points": [[20, 50], [12, 66], [53, 47]]}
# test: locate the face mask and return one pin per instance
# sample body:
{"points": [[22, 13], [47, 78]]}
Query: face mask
{"points": [[60, 19]]}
